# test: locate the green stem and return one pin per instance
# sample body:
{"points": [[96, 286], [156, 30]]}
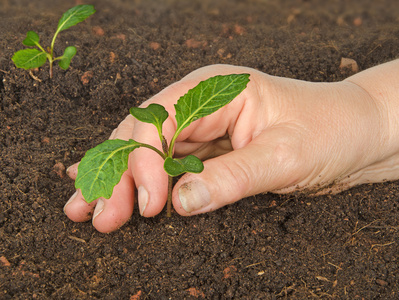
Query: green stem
{"points": [[40, 47], [52, 52], [172, 143], [166, 150], [165, 147], [53, 42], [169, 203], [155, 149], [51, 68]]}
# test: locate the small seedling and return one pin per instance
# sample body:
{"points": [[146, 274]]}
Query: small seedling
{"points": [[34, 58], [102, 167]]}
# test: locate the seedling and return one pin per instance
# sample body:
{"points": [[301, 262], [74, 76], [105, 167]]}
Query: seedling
{"points": [[102, 167], [34, 58]]}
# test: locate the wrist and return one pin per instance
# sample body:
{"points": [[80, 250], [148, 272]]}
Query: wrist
{"points": [[380, 85]]}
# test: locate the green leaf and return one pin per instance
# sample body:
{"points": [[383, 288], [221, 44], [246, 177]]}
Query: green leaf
{"points": [[207, 97], [175, 167], [154, 113], [66, 58], [102, 167], [74, 16], [32, 39], [29, 59]]}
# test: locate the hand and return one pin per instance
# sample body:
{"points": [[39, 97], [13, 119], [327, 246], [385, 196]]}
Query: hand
{"points": [[279, 135]]}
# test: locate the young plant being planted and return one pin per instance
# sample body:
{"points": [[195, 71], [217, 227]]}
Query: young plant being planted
{"points": [[34, 58], [102, 167]]}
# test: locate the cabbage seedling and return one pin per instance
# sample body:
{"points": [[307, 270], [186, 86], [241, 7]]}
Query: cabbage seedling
{"points": [[34, 58], [102, 167]]}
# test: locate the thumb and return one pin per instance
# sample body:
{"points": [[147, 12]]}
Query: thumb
{"points": [[260, 166]]}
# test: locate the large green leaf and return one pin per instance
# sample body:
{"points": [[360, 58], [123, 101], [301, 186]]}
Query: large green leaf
{"points": [[29, 58], [154, 113], [102, 167], [66, 58], [74, 16], [175, 166], [207, 97], [32, 39]]}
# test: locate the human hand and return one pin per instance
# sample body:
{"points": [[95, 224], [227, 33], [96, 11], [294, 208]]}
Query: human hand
{"points": [[279, 135]]}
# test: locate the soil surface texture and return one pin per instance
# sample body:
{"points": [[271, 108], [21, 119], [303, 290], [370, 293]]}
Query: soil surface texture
{"points": [[268, 246]]}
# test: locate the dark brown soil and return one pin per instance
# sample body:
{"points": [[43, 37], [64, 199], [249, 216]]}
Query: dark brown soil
{"points": [[265, 247]]}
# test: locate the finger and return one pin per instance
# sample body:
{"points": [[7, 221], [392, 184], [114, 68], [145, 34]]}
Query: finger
{"points": [[267, 163], [112, 213], [72, 171], [146, 165], [147, 170], [124, 130], [77, 209], [107, 214]]}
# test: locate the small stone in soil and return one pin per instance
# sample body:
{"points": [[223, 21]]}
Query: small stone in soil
{"points": [[59, 169]]}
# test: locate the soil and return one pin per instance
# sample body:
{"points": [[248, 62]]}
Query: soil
{"points": [[267, 246]]}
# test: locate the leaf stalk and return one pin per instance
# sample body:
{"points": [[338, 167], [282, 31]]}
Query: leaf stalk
{"points": [[169, 201]]}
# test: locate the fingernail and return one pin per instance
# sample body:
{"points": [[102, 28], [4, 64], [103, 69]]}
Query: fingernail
{"points": [[143, 199], [193, 196], [68, 171], [71, 199], [99, 208]]}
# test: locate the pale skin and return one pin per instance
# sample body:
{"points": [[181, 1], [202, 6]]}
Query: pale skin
{"points": [[279, 135]]}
